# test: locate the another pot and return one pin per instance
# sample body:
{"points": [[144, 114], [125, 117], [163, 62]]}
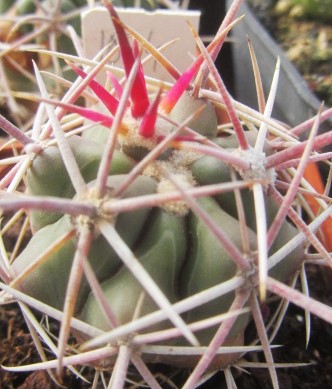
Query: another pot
{"points": [[294, 101]]}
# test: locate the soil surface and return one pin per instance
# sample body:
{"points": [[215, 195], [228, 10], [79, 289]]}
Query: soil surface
{"points": [[17, 348]]}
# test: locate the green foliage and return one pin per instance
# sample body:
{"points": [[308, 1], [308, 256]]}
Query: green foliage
{"points": [[315, 9]]}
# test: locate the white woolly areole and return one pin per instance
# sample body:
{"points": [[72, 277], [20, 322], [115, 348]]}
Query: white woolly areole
{"points": [[185, 158], [163, 127], [257, 170], [179, 207], [132, 136]]}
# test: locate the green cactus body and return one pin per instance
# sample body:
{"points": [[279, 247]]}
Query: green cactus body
{"points": [[158, 218], [231, 142], [209, 170], [205, 124], [285, 269], [130, 224], [48, 282], [179, 252], [48, 176], [208, 264], [97, 133], [161, 251]]}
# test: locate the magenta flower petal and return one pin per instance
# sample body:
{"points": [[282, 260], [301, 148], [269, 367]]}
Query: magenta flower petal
{"points": [[148, 122], [139, 95], [110, 102]]}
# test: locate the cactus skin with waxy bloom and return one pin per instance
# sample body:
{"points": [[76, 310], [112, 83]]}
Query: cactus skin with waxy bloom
{"points": [[157, 229]]}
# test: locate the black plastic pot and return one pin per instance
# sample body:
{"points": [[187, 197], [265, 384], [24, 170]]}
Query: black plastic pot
{"points": [[294, 102]]}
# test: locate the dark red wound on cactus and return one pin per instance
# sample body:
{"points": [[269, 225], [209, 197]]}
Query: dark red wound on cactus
{"points": [[139, 95]]}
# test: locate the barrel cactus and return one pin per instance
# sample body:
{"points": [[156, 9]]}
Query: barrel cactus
{"points": [[158, 230]]}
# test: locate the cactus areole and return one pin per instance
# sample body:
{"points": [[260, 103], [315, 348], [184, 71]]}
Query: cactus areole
{"points": [[168, 150]]}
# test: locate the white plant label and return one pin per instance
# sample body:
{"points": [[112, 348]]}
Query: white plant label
{"points": [[158, 27]]}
